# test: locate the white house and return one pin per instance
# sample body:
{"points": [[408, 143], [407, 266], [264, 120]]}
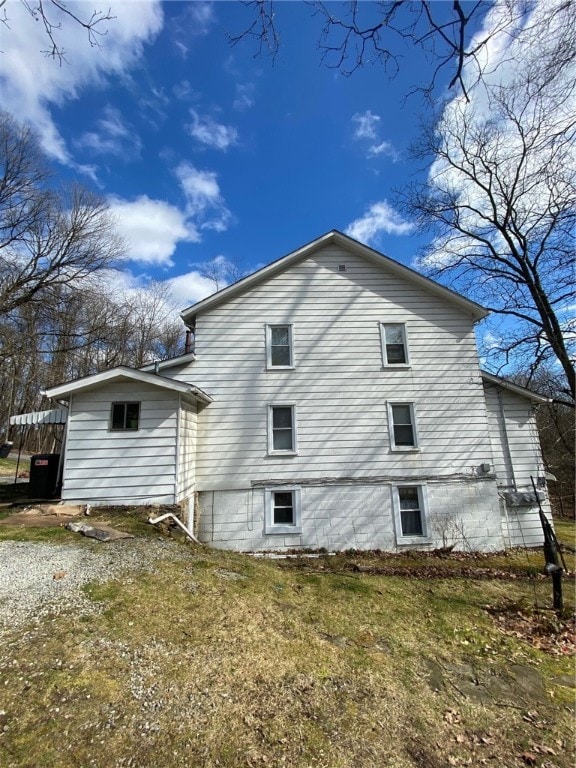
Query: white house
{"points": [[333, 399]]}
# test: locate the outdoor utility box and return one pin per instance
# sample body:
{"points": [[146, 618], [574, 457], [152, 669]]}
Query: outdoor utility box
{"points": [[43, 475], [5, 450]]}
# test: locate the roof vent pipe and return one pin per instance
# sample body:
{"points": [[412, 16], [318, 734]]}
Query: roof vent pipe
{"points": [[156, 367]]}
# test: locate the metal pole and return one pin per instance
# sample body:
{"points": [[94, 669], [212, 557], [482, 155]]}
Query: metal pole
{"points": [[552, 555], [22, 432]]}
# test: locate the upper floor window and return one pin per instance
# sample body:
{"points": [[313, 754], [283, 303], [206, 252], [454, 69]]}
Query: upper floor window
{"points": [[394, 346], [279, 347], [125, 416], [281, 429], [402, 426]]}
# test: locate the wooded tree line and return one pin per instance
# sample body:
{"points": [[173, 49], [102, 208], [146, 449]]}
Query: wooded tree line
{"points": [[61, 314]]}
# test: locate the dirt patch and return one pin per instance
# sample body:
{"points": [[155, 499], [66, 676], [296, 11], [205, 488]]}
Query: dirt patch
{"points": [[43, 515]]}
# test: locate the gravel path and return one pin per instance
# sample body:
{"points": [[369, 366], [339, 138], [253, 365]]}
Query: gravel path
{"points": [[38, 579]]}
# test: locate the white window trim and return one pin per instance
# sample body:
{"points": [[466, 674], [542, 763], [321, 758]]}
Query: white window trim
{"points": [[423, 502], [125, 403], [269, 365], [385, 363], [273, 451], [269, 527], [402, 448]]}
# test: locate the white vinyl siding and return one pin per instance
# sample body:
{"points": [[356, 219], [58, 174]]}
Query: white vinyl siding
{"points": [[187, 450], [339, 386], [279, 347], [394, 343], [516, 458], [124, 466]]}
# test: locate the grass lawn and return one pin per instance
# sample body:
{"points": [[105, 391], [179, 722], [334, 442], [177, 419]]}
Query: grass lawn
{"points": [[8, 466], [221, 659]]}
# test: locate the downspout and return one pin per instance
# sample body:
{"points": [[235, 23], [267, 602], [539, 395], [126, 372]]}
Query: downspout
{"points": [[178, 458], [508, 460], [155, 520]]}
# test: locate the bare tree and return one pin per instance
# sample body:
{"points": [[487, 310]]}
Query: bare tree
{"points": [[48, 237], [499, 198], [556, 427], [52, 14], [220, 271], [377, 33]]}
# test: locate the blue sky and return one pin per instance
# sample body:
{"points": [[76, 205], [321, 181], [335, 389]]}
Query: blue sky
{"points": [[205, 151]]}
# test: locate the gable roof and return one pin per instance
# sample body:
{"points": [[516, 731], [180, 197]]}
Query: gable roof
{"points": [[332, 238], [123, 373], [496, 381]]}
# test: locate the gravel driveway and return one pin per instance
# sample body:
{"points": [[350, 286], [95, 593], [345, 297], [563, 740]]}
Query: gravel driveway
{"points": [[38, 579]]}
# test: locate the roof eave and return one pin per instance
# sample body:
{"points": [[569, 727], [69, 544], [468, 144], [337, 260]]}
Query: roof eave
{"points": [[496, 381], [130, 374]]}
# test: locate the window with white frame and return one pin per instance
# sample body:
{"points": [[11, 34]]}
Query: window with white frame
{"points": [[283, 510], [125, 416], [394, 344], [402, 426], [279, 346], [410, 511], [282, 429]]}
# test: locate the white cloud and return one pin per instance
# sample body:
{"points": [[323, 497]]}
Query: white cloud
{"points": [[244, 96], [204, 202], [31, 83], [183, 90], [190, 287], [379, 218], [207, 131], [384, 148], [366, 131], [114, 137], [152, 229], [366, 125]]}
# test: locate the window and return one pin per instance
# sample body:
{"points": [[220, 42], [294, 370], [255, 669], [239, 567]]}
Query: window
{"points": [[125, 416], [281, 429], [394, 346], [283, 511], [402, 426], [279, 346], [409, 507]]}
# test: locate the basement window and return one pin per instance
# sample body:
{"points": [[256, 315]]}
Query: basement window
{"points": [[409, 503], [125, 416], [283, 511]]}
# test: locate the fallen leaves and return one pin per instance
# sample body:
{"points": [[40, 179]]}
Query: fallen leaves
{"points": [[542, 629]]}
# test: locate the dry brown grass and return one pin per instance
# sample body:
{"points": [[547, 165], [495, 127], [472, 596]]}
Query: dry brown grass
{"points": [[224, 660]]}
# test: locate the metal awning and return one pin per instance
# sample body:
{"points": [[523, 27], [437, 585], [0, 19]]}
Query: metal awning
{"points": [[36, 418]]}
